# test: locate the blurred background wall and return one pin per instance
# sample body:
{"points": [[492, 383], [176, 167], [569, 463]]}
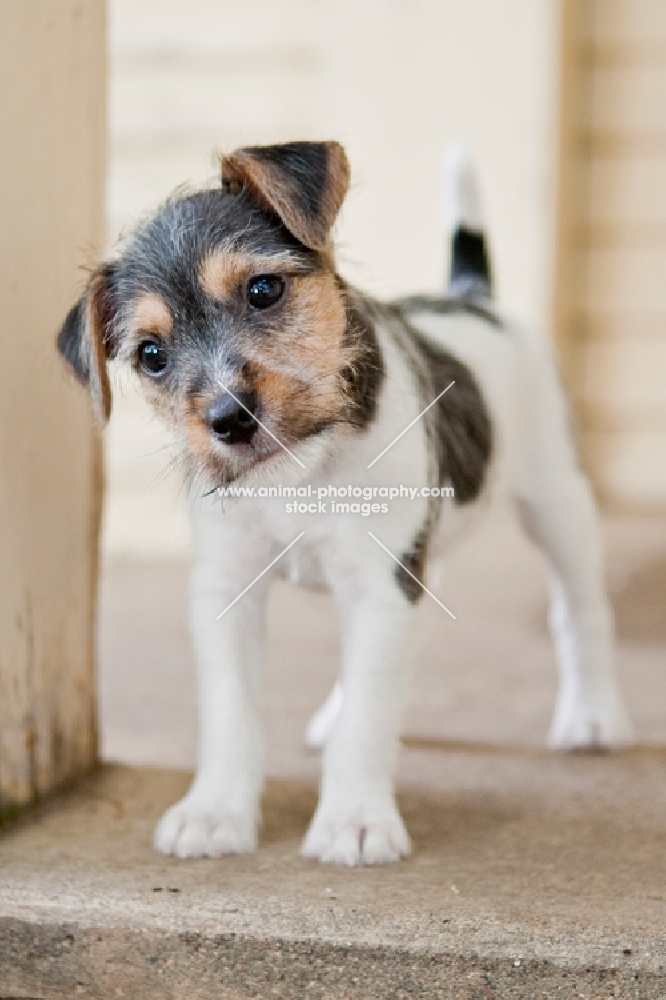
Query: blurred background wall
{"points": [[560, 102], [611, 302]]}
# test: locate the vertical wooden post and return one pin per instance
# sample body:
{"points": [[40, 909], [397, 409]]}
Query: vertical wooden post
{"points": [[52, 166]]}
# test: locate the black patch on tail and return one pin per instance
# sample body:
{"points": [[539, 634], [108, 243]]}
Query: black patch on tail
{"points": [[470, 273]]}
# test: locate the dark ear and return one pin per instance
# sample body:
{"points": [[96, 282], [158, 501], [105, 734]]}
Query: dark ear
{"points": [[303, 183], [86, 339]]}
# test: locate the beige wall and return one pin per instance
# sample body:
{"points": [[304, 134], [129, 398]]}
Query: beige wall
{"points": [[613, 317], [52, 151], [395, 80]]}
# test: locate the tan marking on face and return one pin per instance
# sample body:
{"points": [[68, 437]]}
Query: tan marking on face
{"points": [[294, 369], [152, 315], [296, 372], [164, 403], [311, 326], [199, 439], [222, 273]]}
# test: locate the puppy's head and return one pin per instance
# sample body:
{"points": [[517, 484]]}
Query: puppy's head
{"points": [[227, 306]]}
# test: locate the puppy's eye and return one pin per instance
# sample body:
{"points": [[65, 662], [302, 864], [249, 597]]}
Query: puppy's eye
{"points": [[265, 291], [152, 357]]}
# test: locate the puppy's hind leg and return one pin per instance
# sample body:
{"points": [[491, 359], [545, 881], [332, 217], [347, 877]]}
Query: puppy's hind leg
{"points": [[320, 725], [557, 510]]}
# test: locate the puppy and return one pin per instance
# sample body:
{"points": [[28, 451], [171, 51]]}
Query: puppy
{"points": [[272, 370]]}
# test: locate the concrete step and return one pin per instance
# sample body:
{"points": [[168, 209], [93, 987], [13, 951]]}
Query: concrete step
{"points": [[534, 874], [553, 885]]}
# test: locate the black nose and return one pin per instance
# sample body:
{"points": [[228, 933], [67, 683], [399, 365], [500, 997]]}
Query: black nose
{"points": [[232, 418]]}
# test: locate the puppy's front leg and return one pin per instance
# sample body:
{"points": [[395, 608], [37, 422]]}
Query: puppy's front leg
{"points": [[220, 812], [357, 820]]}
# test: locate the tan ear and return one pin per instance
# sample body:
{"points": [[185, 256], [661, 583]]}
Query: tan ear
{"points": [[85, 340], [303, 183]]}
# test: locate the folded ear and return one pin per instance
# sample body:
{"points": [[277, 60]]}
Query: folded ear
{"points": [[303, 183], [86, 339]]}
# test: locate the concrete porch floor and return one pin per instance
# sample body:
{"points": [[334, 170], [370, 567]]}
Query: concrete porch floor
{"points": [[533, 874]]}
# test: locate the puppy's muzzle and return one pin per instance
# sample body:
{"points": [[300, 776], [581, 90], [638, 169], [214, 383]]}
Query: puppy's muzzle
{"points": [[232, 418]]}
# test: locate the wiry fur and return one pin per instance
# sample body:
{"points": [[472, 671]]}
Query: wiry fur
{"points": [[337, 377]]}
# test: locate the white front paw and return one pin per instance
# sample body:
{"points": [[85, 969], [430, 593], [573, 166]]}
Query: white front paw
{"points": [[197, 827], [590, 722], [348, 836]]}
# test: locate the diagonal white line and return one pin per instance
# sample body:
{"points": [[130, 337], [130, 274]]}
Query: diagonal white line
{"points": [[267, 429], [263, 572], [428, 592], [410, 425]]}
